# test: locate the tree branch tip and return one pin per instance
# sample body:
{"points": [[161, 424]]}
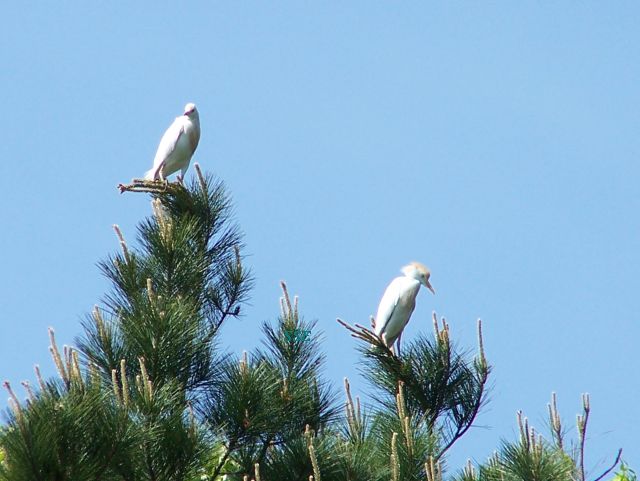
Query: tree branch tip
{"points": [[615, 463], [342, 323]]}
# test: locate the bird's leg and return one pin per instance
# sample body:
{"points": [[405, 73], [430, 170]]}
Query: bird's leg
{"points": [[399, 337], [182, 174], [163, 179]]}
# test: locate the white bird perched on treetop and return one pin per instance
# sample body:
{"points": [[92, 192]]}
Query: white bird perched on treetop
{"points": [[177, 146], [398, 302]]}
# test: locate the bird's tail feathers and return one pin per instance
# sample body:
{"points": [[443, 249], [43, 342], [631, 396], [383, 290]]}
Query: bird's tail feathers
{"points": [[150, 174]]}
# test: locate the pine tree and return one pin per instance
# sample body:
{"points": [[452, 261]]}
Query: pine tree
{"points": [[149, 393]]}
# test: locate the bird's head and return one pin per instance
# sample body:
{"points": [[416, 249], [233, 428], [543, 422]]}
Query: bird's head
{"points": [[190, 110], [419, 272]]}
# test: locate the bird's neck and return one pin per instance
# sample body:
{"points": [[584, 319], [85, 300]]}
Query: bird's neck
{"points": [[411, 279], [413, 276]]}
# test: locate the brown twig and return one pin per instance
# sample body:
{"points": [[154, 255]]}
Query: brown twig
{"points": [[223, 460], [582, 422], [359, 332], [366, 335], [615, 463], [150, 186]]}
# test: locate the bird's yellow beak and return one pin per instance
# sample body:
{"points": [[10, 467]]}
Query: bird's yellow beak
{"points": [[431, 288]]}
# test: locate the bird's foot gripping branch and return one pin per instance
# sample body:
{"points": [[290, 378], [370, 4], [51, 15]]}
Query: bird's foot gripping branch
{"points": [[149, 186], [160, 186]]}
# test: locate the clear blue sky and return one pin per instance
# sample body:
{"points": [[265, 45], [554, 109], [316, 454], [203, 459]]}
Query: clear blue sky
{"points": [[497, 142]]}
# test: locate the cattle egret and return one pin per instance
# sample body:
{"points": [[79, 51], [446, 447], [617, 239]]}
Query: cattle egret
{"points": [[177, 146], [398, 302]]}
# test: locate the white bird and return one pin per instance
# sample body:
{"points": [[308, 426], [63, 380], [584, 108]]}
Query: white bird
{"points": [[399, 301], [177, 146]]}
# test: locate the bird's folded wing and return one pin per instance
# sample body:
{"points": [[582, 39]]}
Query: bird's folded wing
{"points": [[168, 142], [387, 305]]}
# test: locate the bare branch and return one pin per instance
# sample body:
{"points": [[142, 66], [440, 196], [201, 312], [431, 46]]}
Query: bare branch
{"points": [[615, 463], [151, 186], [582, 431]]}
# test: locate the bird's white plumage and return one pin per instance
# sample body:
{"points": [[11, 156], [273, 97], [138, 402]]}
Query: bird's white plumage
{"points": [[177, 145], [399, 301], [395, 308]]}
